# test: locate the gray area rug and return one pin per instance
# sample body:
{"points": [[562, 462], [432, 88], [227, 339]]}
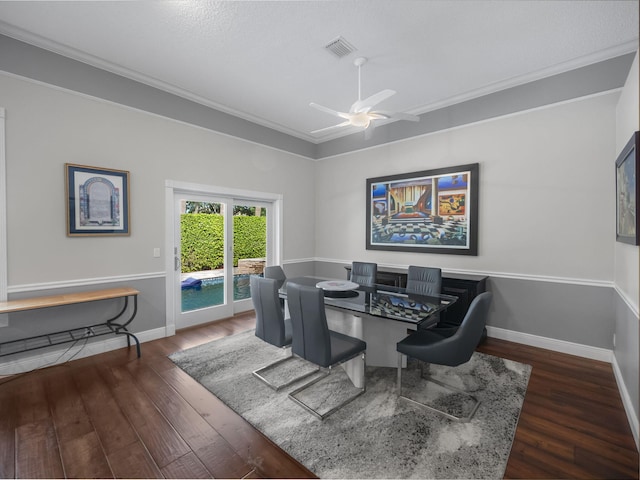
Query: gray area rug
{"points": [[377, 435]]}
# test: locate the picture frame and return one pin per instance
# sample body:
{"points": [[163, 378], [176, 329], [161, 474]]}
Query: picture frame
{"points": [[627, 192], [430, 211], [97, 201]]}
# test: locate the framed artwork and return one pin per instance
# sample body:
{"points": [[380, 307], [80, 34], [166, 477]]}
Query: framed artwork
{"points": [[97, 201], [432, 211], [627, 193]]}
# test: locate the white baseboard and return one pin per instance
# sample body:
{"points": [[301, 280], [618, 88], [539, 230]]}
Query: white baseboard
{"points": [[586, 351], [61, 355], [632, 415]]}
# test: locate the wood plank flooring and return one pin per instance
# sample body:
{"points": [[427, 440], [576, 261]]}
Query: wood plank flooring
{"points": [[114, 415]]}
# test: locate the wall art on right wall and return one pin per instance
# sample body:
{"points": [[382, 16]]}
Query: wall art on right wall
{"points": [[627, 192]]}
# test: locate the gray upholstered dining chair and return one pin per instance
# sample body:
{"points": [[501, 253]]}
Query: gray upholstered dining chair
{"points": [[428, 281], [313, 341], [431, 347], [424, 280], [271, 326], [364, 273], [275, 272]]}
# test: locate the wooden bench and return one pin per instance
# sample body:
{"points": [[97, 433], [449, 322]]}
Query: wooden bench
{"points": [[57, 338]]}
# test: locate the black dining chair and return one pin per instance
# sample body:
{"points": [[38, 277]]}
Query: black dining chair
{"points": [[271, 326], [313, 341], [364, 273], [430, 347]]}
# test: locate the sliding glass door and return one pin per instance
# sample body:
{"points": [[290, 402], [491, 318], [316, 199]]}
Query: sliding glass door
{"points": [[219, 242]]}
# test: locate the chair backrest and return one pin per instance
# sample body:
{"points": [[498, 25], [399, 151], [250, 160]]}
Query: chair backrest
{"points": [[275, 272], [364, 273], [269, 317], [311, 338], [424, 280], [469, 333]]}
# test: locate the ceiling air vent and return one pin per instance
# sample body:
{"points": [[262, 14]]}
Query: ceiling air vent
{"points": [[340, 47]]}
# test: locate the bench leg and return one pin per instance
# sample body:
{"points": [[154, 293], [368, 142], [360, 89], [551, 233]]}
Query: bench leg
{"points": [[122, 328], [129, 336], [123, 331]]}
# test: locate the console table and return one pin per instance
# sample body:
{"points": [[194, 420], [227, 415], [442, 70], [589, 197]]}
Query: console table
{"points": [[465, 287], [57, 338]]}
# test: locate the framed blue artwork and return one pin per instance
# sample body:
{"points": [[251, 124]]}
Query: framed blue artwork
{"points": [[97, 201], [627, 193], [432, 211]]}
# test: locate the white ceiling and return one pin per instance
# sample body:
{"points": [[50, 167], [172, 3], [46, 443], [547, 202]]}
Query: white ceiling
{"points": [[265, 60]]}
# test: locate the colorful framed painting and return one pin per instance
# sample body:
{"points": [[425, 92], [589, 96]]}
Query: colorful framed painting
{"points": [[432, 211], [97, 201], [627, 193]]}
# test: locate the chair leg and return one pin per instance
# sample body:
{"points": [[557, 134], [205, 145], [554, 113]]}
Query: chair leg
{"points": [[429, 379], [400, 374], [322, 416], [259, 373]]}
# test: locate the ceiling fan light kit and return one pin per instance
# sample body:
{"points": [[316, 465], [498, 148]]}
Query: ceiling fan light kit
{"points": [[360, 114]]}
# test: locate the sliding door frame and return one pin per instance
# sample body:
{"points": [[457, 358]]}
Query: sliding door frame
{"points": [[274, 235], [4, 318]]}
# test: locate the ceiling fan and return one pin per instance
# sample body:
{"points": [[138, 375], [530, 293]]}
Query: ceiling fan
{"points": [[360, 113]]}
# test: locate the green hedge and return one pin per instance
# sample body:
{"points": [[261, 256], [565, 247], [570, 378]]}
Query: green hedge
{"points": [[202, 240]]}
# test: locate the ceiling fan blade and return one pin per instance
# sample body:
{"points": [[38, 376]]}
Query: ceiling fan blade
{"points": [[368, 132], [369, 102], [328, 110], [397, 116], [326, 129]]}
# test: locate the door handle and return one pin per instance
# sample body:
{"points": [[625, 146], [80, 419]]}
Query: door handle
{"points": [[176, 262]]}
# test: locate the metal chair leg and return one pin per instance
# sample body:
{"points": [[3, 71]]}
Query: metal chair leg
{"points": [[322, 416], [259, 373], [429, 379]]}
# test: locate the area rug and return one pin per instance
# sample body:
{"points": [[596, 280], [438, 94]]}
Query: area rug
{"points": [[377, 435]]}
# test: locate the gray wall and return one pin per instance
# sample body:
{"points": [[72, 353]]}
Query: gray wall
{"points": [[150, 313], [32, 62], [150, 317], [576, 83], [627, 272], [579, 314], [546, 213], [47, 127]]}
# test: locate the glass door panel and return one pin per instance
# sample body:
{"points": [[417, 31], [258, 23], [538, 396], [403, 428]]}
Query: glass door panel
{"points": [[202, 253], [249, 247]]}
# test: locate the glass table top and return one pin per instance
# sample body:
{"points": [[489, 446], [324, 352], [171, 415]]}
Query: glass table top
{"points": [[379, 300]]}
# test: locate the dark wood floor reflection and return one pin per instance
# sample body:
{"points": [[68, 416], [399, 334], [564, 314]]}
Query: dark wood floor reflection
{"points": [[114, 415]]}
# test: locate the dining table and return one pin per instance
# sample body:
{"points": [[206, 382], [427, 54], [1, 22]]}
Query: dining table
{"points": [[381, 315]]}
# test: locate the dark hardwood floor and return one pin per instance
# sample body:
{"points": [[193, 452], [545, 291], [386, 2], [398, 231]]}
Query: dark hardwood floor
{"points": [[114, 415]]}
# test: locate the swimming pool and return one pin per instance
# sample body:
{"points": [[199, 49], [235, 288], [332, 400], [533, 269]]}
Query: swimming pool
{"points": [[211, 292]]}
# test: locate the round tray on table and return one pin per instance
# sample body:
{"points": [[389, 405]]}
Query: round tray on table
{"points": [[338, 288]]}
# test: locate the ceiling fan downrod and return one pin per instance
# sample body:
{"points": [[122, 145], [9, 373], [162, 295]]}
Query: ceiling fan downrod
{"points": [[358, 62]]}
